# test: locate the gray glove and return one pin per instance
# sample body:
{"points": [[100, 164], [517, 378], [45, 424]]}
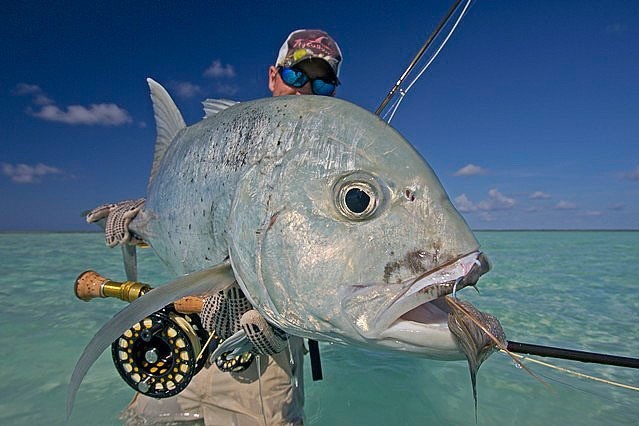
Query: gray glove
{"points": [[114, 219], [229, 311]]}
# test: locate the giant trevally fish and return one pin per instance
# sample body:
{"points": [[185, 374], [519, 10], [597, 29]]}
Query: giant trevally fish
{"points": [[332, 224]]}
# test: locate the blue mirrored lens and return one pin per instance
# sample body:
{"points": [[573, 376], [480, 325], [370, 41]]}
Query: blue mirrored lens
{"points": [[323, 88], [293, 77], [297, 78]]}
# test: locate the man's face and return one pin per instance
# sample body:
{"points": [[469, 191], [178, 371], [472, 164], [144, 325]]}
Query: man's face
{"points": [[312, 68]]}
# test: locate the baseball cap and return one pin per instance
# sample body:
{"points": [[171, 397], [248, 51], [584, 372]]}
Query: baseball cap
{"points": [[302, 45]]}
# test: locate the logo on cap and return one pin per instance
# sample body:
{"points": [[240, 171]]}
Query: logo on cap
{"points": [[306, 44]]}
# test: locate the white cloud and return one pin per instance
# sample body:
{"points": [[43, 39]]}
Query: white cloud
{"points": [[464, 205], [616, 28], [486, 217], [617, 206], [23, 173], [100, 114], [470, 170], [42, 99], [22, 89], [632, 175], [496, 201], [591, 213], [565, 205], [33, 90], [226, 89], [95, 114], [186, 89], [539, 195], [217, 70], [532, 209]]}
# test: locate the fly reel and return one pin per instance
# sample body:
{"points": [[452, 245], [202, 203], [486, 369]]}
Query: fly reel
{"points": [[157, 356]]}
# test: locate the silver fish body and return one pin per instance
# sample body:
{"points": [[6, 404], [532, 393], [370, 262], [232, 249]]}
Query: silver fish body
{"points": [[335, 226]]}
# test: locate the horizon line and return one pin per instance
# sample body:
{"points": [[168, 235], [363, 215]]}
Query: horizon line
{"points": [[98, 231]]}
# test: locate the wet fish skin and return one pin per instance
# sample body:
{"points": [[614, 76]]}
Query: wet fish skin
{"points": [[259, 182], [332, 224]]}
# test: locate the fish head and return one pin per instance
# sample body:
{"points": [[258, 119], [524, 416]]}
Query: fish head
{"points": [[350, 237]]}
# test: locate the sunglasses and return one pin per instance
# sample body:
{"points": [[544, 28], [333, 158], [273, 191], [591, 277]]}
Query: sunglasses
{"points": [[296, 78]]}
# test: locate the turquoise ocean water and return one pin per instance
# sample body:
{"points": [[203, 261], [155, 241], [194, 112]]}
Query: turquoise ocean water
{"points": [[572, 289]]}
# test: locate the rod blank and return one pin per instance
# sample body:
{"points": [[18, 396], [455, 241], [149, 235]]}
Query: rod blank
{"points": [[552, 352]]}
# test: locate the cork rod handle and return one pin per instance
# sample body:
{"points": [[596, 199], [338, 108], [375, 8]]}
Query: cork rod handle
{"points": [[90, 285]]}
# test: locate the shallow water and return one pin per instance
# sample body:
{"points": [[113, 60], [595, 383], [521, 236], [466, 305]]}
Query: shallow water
{"points": [[572, 289]]}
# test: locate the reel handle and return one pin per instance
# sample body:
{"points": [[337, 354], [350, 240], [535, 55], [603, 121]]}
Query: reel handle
{"points": [[91, 285]]}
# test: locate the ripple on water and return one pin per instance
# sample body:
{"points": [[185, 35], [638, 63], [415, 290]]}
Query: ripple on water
{"points": [[558, 288]]}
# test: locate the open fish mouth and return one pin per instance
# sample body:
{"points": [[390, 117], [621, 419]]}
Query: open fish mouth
{"points": [[419, 301], [418, 316], [450, 277]]}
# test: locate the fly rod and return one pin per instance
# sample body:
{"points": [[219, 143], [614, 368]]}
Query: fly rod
{"points": [[417, 57], [571, 354], [90, 285]]}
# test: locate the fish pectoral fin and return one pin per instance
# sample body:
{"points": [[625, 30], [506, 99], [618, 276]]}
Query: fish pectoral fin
{"points": [[130, 260], [206, 281]]}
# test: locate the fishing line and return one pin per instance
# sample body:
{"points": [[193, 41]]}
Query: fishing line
{"points": [[518, 358], [454, 293], [499, 344], [291, 361], [206, 345], [394, 106], [575, 373], [403, 92], [595, 394], [392, 110], [416, 59], [598, 395], [259, 383], [450, 33]]}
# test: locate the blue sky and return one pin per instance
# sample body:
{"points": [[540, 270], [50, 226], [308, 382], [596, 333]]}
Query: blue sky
{"points": [[529, 116]]}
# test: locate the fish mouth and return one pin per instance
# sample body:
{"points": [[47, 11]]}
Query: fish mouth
{"points": [[433, 286], [418, 316]]}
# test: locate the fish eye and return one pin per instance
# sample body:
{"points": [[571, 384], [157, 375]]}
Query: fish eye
{"points": [[357, 197], [357, 200]]}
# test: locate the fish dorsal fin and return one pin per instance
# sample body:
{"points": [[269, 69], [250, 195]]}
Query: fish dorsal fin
{"points": [[213, 106], [168, 120]]}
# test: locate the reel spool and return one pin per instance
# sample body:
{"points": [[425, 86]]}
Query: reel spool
{"points": [[157, 356]]}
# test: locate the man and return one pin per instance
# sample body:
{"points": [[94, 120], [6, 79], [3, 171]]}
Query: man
{"points": [[308, 63]]}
